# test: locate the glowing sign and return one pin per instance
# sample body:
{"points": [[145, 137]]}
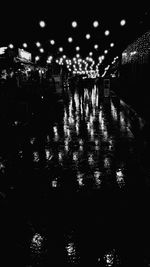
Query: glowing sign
{"points": [[2, 50], [24, 55]]}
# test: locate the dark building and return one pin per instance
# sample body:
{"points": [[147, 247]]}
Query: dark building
{"points": [[134, 75]]}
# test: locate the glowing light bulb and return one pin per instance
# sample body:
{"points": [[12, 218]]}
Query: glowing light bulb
{"points": [[60, 49], [41, 50], [95, 24], [112, 44], [77, 48], [11, 46], [87, 36], [107, 32], [74, 24], [37, 58], [24, 45], [52, 42], [70, 39], [122, 22], [38, 44], [95, 46], [106, 51], [42, 24]]}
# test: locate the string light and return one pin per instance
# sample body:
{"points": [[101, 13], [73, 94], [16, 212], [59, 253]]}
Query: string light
{"points": [[137, 51]]}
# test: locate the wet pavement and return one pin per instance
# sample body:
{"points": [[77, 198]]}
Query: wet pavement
{"points": [[75, 185]]}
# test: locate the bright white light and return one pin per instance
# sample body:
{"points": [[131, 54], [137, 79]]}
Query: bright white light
{"points": [[133, 53], [64, 56], [74, 24], [42, 24], [60, 49], [96, 46], [77, 55], [49, 59], [122, 22], [37, 239], [112, 44], [106, 51], [100, 58], [77, 48], [24, 45], [52, 42], [24, 54], [37, 58], [41, 50], [87, 36], [107, 32], [95, 24], [91, 53], [2, 50], [38, 44], [11, 46], [70, 39]]}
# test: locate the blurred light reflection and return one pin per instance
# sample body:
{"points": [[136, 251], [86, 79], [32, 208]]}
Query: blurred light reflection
{"points": [[36, 244], [113, 111], [36, 156], [120, 178], [80, 179], [97, 175], [109, 259]]}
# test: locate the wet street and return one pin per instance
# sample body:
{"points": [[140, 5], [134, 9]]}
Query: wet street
{"points": [[75, 184]]}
